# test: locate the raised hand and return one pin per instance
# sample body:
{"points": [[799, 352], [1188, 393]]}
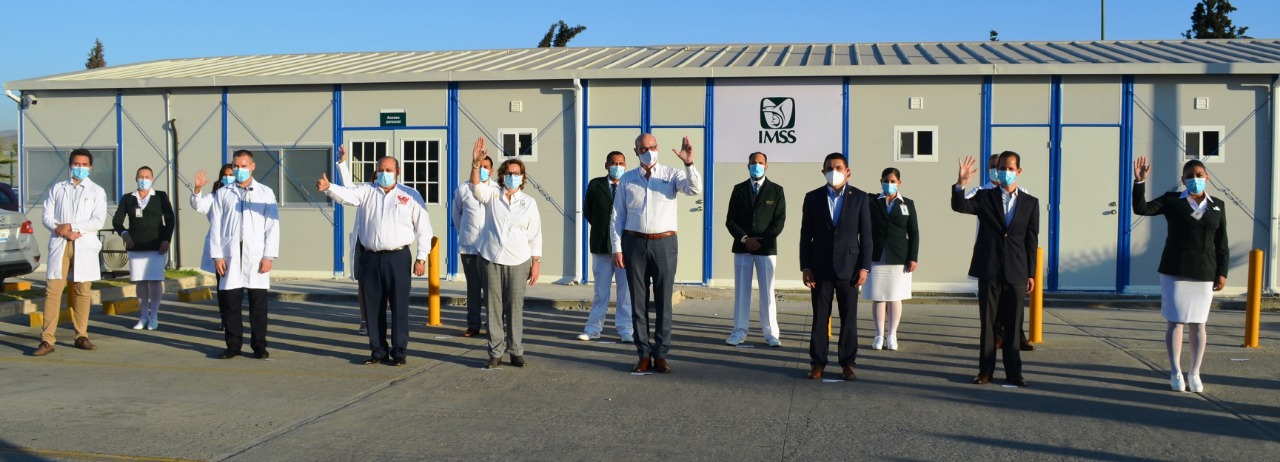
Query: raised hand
{"points": [[966, 170], [685, 153], [322, 184], [201, 180], [478, 151], [1141, 168]]}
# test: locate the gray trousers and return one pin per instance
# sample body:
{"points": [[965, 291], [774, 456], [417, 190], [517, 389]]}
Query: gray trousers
{"points": [[476, 289], [506, 286], [651, 267]]}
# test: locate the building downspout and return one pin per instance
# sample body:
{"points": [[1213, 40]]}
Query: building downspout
{"points": [[579, 193], [1274, 230], [171, 157]]}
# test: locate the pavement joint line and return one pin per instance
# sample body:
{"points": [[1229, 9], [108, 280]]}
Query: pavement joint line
{"points": [[358, 397], [1261, 428]]}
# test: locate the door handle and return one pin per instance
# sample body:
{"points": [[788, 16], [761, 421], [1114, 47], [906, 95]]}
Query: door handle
{"points": [[698, 209], [1110, 212], [1113, 204], [699, 202]]}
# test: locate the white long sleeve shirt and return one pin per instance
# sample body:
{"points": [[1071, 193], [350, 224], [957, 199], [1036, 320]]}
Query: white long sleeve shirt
{"points": [[468, 217], [244, 229], [512, 232], [387, 220], [649, 205]]}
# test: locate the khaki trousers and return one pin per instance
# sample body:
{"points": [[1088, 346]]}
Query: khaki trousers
{"points": [[53, 299]]}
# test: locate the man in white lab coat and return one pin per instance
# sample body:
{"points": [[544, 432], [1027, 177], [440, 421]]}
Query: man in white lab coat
{"points": [[244, 240], [74, 210]]}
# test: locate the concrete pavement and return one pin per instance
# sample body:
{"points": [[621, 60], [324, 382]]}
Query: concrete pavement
{"points": [[1098, 391]]}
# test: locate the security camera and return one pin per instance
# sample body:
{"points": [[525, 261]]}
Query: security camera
{"points": [[31, 100]]}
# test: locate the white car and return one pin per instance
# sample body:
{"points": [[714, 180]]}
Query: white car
{"points": [[19, 255]]}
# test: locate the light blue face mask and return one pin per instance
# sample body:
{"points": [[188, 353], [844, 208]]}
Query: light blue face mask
{"points": [[144, 184], [1006, 177], [227, 180], [242, 174], [616, 171], [386, 179], [756, 170], [991, 173], [484, 174], [80, 173], [1195, 186], [512, 181], [648, 158], [889, 189]]}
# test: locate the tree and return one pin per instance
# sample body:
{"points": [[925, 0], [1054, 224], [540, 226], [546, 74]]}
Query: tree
{"points": [[1210, 21], [995, 36], [96, 58], [560, 34]]}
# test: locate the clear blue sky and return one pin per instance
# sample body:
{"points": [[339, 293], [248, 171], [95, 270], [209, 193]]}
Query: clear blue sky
{"points": [[44, 37]]}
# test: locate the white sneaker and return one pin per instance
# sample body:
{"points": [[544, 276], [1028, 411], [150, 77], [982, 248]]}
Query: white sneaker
{"points": [[1193, 383], [587, 337], [773, 342], [733, 340], [891, 342], [141, 324], [1175, 381], [626, 338], [153, 323], [877, 343]]}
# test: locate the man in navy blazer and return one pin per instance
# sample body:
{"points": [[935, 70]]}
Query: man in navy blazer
{"points": [[835, 256], [1004, 259]]}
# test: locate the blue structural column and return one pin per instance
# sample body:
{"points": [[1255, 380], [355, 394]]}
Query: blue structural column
{"points": [[22, 154], [452, 159], [844, 122], [1125, 222], [224, 125], [585, 251], [119, 142], [985, 150], [1055, 181], [645, 89], [708, 183], [338, 142]]}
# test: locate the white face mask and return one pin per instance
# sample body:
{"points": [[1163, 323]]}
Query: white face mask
{"points": [[835, 178], [649, 157]]}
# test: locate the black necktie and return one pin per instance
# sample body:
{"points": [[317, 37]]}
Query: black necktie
{"points": [[755, 189], [613, 188]]}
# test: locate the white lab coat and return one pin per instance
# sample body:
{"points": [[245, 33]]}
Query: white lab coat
{"points": [[86, 218], [244, 228], [203, 203]]}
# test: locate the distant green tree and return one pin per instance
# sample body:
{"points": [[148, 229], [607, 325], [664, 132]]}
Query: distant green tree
{"points": [[560, 34], [995, 36], [1209, 21], [96, 58]]}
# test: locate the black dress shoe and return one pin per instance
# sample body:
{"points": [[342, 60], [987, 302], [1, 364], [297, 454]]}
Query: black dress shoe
{"points": [[264, 354], [372, 360], [517, 361], [493, 363], [229, 353], [470, 332], [982, 379], [397, 362], [1019, 381], [1027, 346]]}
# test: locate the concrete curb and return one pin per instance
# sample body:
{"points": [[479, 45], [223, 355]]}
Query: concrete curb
{"points": [[98, 296]]}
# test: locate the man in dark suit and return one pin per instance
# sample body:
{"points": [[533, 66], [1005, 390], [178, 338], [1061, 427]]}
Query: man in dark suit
{"points": [[1004, 259], [598, 208], [757, 212], [835, 256]]}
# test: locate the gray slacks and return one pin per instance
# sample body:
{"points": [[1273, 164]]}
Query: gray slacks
{"points": [[506, 285]]}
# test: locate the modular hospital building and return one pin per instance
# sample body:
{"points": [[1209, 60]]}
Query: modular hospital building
{"points": [[1078, 112]]}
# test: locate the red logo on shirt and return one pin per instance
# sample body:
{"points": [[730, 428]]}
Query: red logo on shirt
{"points": [[403, 199]]}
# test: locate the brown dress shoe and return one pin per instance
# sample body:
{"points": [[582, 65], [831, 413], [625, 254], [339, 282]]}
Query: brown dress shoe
{"points": [[847, 373], [83, 343], [815, 373], [470, 332], [642, 366], [1019, 381], [661, 366], [981, 379], [44, 349], [1027, 346]]}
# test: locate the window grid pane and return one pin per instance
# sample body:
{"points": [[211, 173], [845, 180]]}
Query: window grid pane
{"points": [[1210, 138], [420, 169], [1193, 145], [925, 145], [300, 165]]}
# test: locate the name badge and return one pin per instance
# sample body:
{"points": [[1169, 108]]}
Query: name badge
{"points": [[137, 212], [768, 202], [904, 209]]}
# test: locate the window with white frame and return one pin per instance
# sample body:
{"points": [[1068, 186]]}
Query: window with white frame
{"points": [[290, 172], [1203, 143], [420, 168], [46, 166], [519, 143], [915, 143], [364, 157]]}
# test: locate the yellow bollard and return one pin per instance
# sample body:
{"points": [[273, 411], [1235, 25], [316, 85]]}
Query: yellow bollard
{"points": [[828, 327], [1037, 301], [433, 284], [1253, 308]]}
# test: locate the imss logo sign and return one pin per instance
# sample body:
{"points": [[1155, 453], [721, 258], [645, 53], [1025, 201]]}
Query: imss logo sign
{"points": [[777, 120]]}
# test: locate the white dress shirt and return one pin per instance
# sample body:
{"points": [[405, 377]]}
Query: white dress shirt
{"points": [[468, 217], [1197, 209], [84, 207], [244, 229], [387, 220], [512, 230], [649, 205]]}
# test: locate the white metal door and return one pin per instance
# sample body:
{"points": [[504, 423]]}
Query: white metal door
{"points": [[691, 208], [1088, 208], [1032, 144]]}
